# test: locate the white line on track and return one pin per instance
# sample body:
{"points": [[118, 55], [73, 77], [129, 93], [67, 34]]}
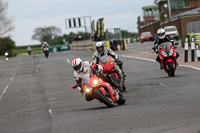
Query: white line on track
{"points": [[68, 61], [164, 86], [155, 61], [50, 112], [6, 87]]}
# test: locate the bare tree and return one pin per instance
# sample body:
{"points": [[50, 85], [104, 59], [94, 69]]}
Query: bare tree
{"points": [[44, 34], [5, 22]]}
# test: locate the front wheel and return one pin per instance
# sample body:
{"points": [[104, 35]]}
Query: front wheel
{"points": [[171, 69], [46, 54], [121, 99], [105, 99]]}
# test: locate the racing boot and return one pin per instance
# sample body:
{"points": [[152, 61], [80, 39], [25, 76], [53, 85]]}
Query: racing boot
{"points": [[124, 74], [161, 66]]}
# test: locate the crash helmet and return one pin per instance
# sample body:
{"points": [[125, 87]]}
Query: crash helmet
{"points": [[77, 64], [45, 43], [100, 47], [161, 33]]}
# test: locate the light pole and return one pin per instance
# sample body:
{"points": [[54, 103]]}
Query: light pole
{"points": [[169, 9]]}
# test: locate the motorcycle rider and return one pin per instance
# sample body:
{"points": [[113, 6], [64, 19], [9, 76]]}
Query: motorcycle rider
{"points": [[82, 70], [45, 45], [100, 51], [161, 37]]}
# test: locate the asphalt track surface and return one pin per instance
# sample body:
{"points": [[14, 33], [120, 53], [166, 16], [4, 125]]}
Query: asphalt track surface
{"points": [[36, 97]]}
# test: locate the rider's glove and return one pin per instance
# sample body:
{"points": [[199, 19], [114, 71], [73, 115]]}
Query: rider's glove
{"points": [[99, 73], [157, 52], [100, 68], [74, 86]]}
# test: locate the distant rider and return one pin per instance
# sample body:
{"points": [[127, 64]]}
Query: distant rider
{"points": [[29, 50], [45, 45], [161, 38], [102, 50]]}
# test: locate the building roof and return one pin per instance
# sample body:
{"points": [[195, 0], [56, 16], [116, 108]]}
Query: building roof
{"points": [[187, 13], [153, 6]]}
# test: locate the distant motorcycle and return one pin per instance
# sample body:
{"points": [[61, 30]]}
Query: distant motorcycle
{"points": [[46, 52], [6, 55], [167, 56]]}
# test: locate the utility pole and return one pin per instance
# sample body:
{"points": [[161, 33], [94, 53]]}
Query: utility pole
{"points": [[169, 9]]}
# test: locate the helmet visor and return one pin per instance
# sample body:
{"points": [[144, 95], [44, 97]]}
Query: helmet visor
{"points": [[160, 35], [78, 67], [99, 48]]}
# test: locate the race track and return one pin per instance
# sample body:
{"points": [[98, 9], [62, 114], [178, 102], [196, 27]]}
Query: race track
{"points": [[36, 97]]}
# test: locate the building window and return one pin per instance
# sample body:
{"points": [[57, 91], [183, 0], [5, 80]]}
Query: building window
{"points": [[155, 12], [186, 3], [179, 4], [148, 12]]}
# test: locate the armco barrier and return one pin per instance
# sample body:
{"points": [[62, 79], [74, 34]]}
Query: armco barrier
{"points": [[60, 48]]}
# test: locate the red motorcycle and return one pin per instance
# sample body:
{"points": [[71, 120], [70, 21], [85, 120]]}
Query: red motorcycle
{"points": [[103, 91], [108, 65], [167, 56], [46, 52], [99, 88]]}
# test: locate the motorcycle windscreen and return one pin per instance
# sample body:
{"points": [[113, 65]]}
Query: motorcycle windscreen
{"points": [[166, 46], [104, 59], [107, 63]]}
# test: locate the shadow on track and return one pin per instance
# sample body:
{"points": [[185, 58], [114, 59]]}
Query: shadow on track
{"points": [[99, 108]]}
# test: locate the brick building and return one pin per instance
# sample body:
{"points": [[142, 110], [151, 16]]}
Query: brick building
{"points": [[182, 12]]}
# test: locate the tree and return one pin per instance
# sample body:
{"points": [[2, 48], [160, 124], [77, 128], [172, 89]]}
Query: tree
{"points": [[126, 34], [46, 34], [7, 44], [5, 22], [69, 37]]}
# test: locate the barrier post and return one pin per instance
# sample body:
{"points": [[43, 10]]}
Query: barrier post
{"points": [[186, 49], [198, 52], [193, 49]]}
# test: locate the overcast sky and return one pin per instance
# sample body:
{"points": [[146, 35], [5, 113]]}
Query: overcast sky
{"points": [[31, 14]]}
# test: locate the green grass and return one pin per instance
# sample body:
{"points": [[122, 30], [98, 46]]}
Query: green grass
{"points": [[23, 50], [2, 57], [35, 49]]}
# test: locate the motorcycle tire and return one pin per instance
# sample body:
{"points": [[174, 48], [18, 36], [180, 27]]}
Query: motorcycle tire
{"points": [[121, 99], [171, 69], [124, 88], [46, 54], [104, 99]]}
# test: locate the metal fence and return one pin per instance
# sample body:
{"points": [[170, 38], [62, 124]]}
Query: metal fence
{"points": [[193, 27]]}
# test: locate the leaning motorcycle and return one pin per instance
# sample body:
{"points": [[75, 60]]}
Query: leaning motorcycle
{"points": [[46, 52], [167, 56], [102, 91]]}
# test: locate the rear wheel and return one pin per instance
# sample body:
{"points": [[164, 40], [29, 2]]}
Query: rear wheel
{"points": [[124, 88], [106, 99], [171, 69]]}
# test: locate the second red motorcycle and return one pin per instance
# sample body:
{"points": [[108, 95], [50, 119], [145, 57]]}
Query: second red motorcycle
{"points": [[167, 56]]}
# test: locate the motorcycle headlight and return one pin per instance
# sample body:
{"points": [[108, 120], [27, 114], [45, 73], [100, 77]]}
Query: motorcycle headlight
{"points": [[6, 54], [87, 90], [171, 52], [163, 53], [95, 82]]}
